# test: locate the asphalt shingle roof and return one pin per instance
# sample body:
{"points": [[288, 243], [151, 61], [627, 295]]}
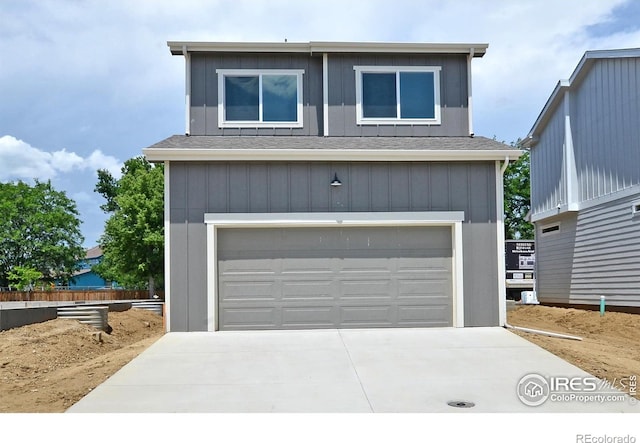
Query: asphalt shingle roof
{"points": [[341, 143]]}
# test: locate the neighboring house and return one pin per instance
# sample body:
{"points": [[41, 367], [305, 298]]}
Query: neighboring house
{"points": [[585, 184], [85, 277], [331, 185]]}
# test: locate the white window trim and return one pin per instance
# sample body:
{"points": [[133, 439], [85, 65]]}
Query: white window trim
{"points": [[360, 120], [635, 208], [223, 123], [215, 221], [550, 225]]}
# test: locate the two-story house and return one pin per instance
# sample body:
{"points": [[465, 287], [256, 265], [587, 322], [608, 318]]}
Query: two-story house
{"points": [[585, 184], [331, 185]]}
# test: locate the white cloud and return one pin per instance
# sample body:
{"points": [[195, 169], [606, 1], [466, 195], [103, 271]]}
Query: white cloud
{"points": [[20, 160]]}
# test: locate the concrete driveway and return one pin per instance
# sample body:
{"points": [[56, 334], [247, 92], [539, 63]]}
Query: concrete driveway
{"points": [[347, 370]]}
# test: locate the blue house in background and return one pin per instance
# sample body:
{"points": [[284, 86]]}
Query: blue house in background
{"points": [[85, 278]]}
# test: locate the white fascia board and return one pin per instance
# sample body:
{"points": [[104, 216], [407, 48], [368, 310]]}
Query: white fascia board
{"points": [[165, 154], [176, 47], [551, 105], [477, 49]]}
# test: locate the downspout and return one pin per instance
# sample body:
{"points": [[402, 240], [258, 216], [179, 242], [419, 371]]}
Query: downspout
{"points": [[469, 92], [502, 282], [325, 94], [539, 332], [187, 86], [503, 298]]}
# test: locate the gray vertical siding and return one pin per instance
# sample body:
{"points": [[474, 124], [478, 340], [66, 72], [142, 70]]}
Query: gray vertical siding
{"points": [[342, 95], [547, 165], [606, 133], [453, 95], [204, 91], [198, 188], [596, 252]]}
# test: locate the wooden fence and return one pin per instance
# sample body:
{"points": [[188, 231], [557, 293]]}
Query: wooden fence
{"points": [[71, 295]]}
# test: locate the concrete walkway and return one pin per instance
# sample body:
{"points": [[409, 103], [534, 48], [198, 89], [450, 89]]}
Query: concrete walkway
{"points": [[356, 370]]}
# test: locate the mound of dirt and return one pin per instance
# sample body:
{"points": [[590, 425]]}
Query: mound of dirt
{"points": [[47, 367], [610, 348]]}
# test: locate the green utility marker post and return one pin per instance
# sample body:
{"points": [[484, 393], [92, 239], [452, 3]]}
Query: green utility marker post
{"points": [[602, 306]]}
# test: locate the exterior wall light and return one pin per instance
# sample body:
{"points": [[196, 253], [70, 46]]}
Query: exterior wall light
{"points": [[335, 181]]}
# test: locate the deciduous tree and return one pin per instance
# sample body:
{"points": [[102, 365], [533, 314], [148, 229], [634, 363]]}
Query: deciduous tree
{"points": [[517, 199], [133, 239], [39, 230]]}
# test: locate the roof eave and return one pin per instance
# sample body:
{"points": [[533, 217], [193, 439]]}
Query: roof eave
{"points": [[475, 49], [545, 115], [181, 154], [581, 70]]}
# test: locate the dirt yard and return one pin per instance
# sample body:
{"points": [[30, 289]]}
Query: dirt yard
{"points": [[47, 367], [610, 348]]}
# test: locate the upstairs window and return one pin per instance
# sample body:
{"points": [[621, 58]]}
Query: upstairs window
{"points": [[259, 98], [399, 95]]}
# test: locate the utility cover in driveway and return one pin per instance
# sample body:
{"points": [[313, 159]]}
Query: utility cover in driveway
{"points": [[297, 278]]}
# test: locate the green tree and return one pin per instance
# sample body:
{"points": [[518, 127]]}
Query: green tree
{"points": [[133, 239], [517, 199], [39, 230], [24, 277]]}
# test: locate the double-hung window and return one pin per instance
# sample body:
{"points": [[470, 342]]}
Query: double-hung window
{"points": [[259, 98], [397, 95]]}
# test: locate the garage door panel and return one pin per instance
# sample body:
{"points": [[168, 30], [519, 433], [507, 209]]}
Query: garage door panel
{"points": [[334, 277], [308, 316], [369, 316], [365, 289], [246, 266], [246, 291], [249, 318], [306, 266], [423, 288], [423, 315], [308, 290]]}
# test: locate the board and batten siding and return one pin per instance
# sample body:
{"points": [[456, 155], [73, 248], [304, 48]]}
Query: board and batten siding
{"points": [[596, 252], [453, 95], [270, 187], [605, 112], [547, 164], [341, 93], [204, 91]]}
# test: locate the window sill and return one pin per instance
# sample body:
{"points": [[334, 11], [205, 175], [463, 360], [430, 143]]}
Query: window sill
{"points": [[385, 122], [258, 125]]}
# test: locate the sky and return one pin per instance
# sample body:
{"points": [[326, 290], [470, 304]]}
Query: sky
{"points": [[87, 84]]}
